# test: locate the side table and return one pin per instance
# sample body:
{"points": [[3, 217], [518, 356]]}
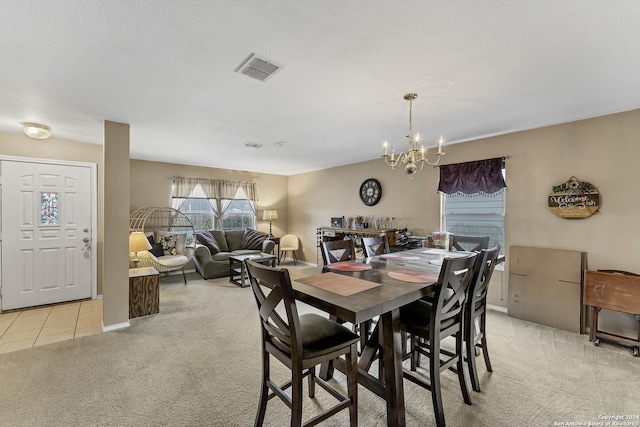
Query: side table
{"points": [[237, 273], [144, 292]]}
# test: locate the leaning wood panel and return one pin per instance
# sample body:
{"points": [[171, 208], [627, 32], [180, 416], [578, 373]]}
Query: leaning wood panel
{"points": [[545, 286]]}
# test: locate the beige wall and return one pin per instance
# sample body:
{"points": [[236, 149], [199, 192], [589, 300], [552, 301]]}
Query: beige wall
{"points": [[603, 151], [115, 257], [20, 145], [151, 186]]}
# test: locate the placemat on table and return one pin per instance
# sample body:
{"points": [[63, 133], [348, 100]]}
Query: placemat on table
{"points": [[338, 283], [414, 276], [348, 266]]}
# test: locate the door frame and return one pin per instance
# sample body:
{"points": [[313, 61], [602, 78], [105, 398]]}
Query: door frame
{"points": [[93, 185]]}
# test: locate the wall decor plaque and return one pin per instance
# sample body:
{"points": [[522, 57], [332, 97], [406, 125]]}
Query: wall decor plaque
{"points": [[574, 199]]}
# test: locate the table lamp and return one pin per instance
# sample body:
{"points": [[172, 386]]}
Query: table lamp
{"points": [[270, 214], [138, 242]]}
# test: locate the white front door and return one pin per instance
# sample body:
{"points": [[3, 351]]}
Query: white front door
{"points": [[46, 233]]}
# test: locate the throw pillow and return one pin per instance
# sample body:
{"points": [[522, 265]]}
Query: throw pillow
{"points": [[156, 250], [253, 239], [205, 238], [168, 242]]}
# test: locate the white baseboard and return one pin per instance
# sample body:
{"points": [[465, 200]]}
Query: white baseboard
{"points": [[498, 308], [115, 327]]}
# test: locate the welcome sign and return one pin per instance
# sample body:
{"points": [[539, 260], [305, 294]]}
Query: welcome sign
{"points": [[574, 199]]}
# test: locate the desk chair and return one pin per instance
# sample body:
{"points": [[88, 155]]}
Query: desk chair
{"points": [[476, 309], [300, 343], [428, 323], [375, 245], [469, 243]]}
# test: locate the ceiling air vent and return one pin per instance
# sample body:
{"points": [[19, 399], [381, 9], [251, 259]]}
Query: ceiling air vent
{"points": [[250, 144], [257, 68]]}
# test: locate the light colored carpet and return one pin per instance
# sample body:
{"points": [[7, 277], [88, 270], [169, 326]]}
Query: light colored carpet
{"points": [[196, 363]]}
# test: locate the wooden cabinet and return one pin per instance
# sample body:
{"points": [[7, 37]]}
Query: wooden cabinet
{"points": [[545, 286], [144, 292]]}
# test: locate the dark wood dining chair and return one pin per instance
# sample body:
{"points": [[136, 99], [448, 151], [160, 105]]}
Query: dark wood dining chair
{"points": [[338, 250], [300, 343], [461, 242], [475, 338], [428, 323], [376, 245]]}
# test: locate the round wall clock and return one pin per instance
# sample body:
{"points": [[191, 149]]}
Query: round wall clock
{"points": [[370, 191]]}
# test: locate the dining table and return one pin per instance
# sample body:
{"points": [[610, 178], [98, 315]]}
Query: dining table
{"points": [[361, 290]]}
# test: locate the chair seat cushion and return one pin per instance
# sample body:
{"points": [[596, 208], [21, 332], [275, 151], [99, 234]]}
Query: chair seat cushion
{"points": [[320, 336], [418, 313], [172, 260]]}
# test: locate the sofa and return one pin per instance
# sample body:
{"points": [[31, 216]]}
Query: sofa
{"points": [[214, 247]]}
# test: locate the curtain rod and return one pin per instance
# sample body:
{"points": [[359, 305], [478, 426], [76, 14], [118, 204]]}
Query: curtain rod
{"points": [[499, 157]]}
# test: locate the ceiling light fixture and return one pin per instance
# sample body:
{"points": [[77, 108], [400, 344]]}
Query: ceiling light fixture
{"points": [[36, 131], [414, 156]]}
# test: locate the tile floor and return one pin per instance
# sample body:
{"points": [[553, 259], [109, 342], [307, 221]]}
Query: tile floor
{"points": [[44, 325]]}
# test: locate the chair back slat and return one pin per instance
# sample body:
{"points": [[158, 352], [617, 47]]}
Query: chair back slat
{"points": [[377, 245], [482, 276], [338, 250], [450, 292], [280, 293], [469, 243]]}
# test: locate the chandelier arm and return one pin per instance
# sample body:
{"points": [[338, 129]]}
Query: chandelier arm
{"points": [[402, 158], [434, 163]]}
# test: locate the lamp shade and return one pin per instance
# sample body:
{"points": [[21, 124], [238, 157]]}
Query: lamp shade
{"points": [[269, 214], [138, 242]]}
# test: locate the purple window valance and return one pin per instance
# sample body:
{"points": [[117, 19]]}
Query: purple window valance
{"points": [[478, 177]]}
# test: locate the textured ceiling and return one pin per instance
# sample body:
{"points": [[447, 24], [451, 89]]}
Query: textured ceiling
{"points": [[167, 68]]}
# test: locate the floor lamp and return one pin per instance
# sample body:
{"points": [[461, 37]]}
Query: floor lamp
{"points": [[270, 214]]}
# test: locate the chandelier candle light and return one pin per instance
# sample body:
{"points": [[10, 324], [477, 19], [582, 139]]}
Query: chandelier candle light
{"points": [[414, 156]]}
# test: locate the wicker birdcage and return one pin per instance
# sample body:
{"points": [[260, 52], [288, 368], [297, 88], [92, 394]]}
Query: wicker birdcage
{"points": [[169, 226]]}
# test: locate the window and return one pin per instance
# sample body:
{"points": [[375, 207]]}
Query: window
{"points": [[237, 213], [477, 215]]}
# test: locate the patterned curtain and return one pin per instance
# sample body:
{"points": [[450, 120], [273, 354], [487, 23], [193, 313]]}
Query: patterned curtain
{"points": [[213, 188], [472, 178]]}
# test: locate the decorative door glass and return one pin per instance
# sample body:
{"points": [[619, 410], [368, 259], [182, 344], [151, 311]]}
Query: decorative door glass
{"points": [[49, 208]]}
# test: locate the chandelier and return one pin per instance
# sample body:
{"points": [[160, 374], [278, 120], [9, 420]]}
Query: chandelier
{"points": [[415, 158]]}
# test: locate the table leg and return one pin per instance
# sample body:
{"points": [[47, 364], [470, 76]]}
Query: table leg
{"points": [[392, 358]]}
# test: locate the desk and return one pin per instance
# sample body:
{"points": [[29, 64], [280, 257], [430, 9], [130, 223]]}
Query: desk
{"points": [[384, 301]]}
